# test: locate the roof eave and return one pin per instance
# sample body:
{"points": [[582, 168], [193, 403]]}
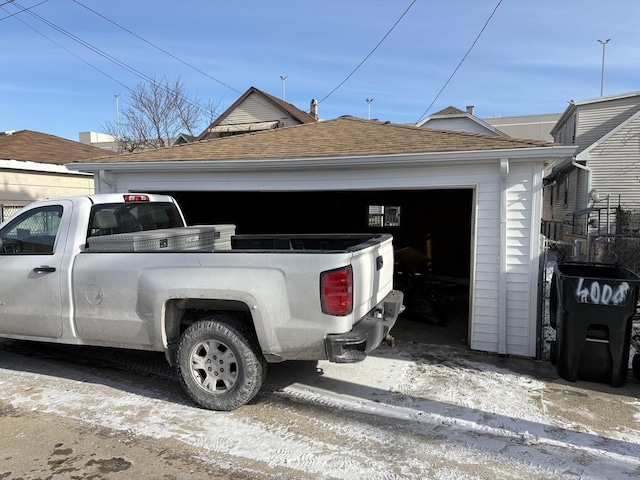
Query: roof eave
{"points": [[541, 154]]}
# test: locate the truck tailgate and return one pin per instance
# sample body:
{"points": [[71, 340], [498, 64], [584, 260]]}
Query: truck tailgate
{"points": [[372, 276]]}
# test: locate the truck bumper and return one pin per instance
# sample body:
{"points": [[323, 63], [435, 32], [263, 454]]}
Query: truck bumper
{"points": [[366, 334]]}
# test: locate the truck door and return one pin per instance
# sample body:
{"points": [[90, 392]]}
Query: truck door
{"points": [[31, 254]]}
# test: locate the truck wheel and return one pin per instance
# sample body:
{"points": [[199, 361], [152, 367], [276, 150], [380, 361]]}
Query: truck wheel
{"points": [[220, 365]]}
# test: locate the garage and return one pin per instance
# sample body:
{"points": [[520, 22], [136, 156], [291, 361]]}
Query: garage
{"points": [[471, 203]]}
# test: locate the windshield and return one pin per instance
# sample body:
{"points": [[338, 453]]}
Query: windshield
{"points": [[110, 218]]}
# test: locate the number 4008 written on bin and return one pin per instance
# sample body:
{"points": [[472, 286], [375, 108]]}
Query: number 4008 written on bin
{"points": [[604, 294]]}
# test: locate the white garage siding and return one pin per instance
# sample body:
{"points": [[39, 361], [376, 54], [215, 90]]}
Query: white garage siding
{"points": [[523, 206]]}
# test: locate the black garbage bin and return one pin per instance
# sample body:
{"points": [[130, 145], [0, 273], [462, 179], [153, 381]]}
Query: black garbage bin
{"points": [[592, 307]]}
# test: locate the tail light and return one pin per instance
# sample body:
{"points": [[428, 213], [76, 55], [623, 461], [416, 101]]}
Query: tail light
{"points": [[136, 198], [336, 291]]}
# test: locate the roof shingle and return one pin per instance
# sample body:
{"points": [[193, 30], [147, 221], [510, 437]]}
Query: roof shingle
{"points": [[344, 136], [29, 146]]}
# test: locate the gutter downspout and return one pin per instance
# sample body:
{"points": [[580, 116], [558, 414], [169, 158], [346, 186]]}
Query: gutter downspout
{"points": [[586, 204], [502, 280], [103, 178]]}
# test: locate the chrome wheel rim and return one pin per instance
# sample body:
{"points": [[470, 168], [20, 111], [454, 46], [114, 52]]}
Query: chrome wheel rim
{"points": [[214, 366]]}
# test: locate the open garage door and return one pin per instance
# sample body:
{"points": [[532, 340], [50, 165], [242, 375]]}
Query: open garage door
{"points": [[432, 232]]}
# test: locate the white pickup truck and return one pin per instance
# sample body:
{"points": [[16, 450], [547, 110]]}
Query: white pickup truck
{"points": [[124, 270]]}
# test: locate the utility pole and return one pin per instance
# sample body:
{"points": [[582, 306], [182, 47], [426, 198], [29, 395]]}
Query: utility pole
{"points": [[117, 117], [604, 44], [369, 100]]}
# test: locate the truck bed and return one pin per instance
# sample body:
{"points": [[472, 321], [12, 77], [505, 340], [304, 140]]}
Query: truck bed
{"points": [[222, 238], [325, 242]]}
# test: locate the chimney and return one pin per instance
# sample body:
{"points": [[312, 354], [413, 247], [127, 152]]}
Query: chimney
{"points": [[313, 109], [470, 109]]}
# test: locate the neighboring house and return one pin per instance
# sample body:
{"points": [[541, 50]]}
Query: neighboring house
{"points": [[470, 204], [526, 126], [604, 172], [255, 111], [182, 139], [452, 118], [99, 140], [32, 168], [109, 142]]}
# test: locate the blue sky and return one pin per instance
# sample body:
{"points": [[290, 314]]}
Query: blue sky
{"points": [[532, 58]]}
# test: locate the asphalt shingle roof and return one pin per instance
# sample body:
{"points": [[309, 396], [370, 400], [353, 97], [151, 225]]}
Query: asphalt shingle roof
{"points": [[344, 136], [26, 145]]}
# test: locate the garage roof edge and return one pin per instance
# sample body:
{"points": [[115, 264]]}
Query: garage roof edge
{"points": [[542, 154]]}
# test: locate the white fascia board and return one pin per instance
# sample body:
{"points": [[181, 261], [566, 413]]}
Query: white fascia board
{"points": [[37, 167], [606, 98], [540, 154]]}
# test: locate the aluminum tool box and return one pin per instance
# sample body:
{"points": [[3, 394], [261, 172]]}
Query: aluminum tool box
{"points": [[202, 237]]}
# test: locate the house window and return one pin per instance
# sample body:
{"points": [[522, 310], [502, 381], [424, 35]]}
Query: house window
{"points": [[384, 216], [566, 190], [551, 196]]}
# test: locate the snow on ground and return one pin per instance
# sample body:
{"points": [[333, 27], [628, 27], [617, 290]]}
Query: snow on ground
{"points": [[410, 412]]}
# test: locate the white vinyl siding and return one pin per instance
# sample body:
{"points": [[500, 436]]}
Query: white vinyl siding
{"points": [[256, 108], [597, 119], [485, 286], [615, 166], [522, 207]]}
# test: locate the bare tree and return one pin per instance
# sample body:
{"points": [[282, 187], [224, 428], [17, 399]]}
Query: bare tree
{"points": [[156, 113]]}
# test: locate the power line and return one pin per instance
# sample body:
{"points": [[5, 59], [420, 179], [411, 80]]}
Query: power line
{"points": [[64, 48], [370, 53], [14, 14], [107, 56], [156, 46], [86, 45], [99, 52], [461, 61], [258, 100]]}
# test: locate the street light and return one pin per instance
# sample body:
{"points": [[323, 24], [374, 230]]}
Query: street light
{"points": [[369, 100], [604, 44], [283, 78]]}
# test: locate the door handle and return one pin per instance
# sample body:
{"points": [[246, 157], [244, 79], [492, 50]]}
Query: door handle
{"points": [[44, 269]]}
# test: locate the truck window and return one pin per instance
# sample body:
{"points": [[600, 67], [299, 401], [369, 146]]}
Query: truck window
{"points": [[110, 218], [33, 232]]}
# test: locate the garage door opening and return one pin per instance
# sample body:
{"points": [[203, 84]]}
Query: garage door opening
{"points": [[432, 232]]}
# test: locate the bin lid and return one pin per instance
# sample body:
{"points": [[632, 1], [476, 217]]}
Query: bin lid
{"points": [[611, 272]]}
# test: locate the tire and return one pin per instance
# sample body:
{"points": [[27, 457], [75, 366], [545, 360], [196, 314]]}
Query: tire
{"points": [[240, 368]]}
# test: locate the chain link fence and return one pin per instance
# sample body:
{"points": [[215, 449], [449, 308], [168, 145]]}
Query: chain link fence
{"points": [[7, 211]]}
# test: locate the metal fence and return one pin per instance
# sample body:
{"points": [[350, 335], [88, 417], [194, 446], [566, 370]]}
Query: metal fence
{"points": [[7, 211], [620, 250]]}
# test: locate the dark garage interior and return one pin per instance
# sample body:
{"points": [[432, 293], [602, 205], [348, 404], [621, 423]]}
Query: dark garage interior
{"points": [[431, 230]]}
